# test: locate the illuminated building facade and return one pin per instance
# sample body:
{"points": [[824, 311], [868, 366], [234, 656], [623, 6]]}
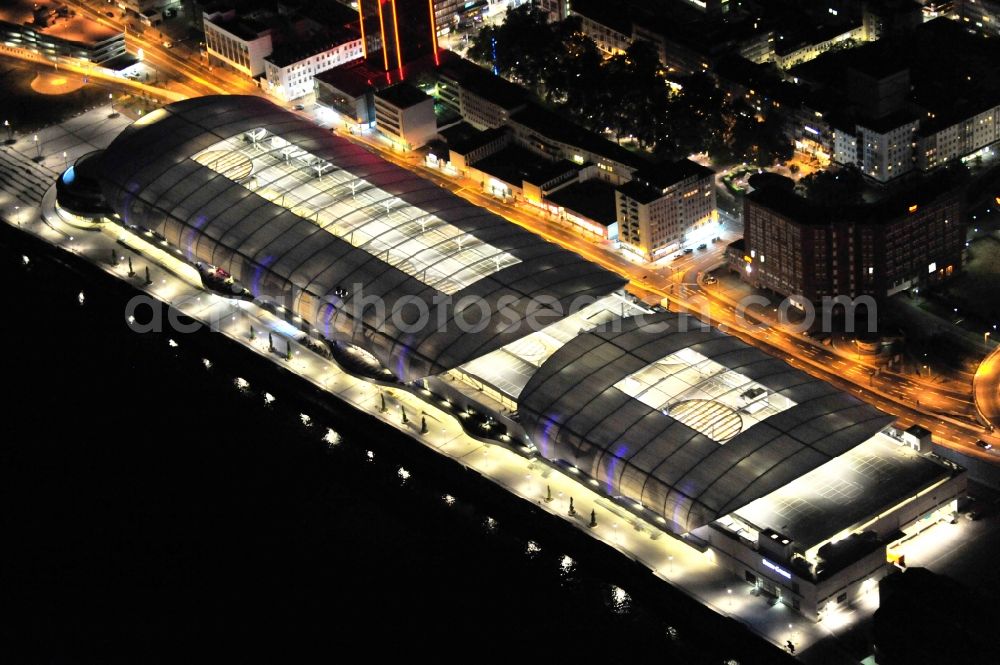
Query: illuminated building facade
{"points": [[663, 205], [807, 251], [407, 30], [797, 487]]}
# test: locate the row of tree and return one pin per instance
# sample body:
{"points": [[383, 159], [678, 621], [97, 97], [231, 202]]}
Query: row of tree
{"points": [[627, 94]]}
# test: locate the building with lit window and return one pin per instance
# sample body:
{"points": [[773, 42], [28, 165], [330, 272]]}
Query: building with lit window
{"points": [[663, 205], [803, 491], [56, 30], [891, 110], [483, 99], [982, 15], [289, 70], [405, 115], [242, 43], [807, 251]]}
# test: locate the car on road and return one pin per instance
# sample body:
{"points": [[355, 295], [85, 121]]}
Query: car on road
{"points": [[109, 14], [300, 107], [711, 279], [985, 445], [703, 246], [688, 250], [168, 45]]}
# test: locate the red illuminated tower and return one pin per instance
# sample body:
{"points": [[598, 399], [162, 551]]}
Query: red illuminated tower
{"points": [[407, 29]]}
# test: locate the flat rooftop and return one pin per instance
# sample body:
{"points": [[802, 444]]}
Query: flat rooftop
{"points": [[402, 95], [290, 53], [46, 19], [844, 492], [553, 126], [485, 83], [594, 199], [515, 165]]}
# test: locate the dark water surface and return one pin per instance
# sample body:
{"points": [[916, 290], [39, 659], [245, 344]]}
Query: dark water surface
{"points": [[153, 512]]}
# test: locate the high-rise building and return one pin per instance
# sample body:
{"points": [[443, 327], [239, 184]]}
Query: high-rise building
{"points": [[407, 30]]}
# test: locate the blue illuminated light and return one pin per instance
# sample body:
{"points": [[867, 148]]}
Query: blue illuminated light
{"points": [[69, 176]]}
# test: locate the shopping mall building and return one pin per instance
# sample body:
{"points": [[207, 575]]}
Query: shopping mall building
{"points": [[800, 489]]}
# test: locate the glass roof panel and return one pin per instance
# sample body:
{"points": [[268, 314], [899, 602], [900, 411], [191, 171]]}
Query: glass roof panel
{"points": [[420, 244]]}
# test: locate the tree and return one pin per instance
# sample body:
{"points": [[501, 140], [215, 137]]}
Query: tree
{"points": [[521, 48], [834, 187]]}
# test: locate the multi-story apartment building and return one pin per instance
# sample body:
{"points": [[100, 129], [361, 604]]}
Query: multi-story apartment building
{"points": [[807, 251], [289, 70], [885, 146], [662, 205], [482, 99], [552, 135], [983, 15], [557, 10]]}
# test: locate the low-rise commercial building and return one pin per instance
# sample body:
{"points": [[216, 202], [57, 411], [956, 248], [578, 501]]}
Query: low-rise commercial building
{"points": [[239, 42], [347, 91], [405, 115], [550, 134], [807, 252]]}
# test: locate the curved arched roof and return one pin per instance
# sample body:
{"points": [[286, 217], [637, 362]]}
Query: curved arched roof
{"points": [[213, 213], [574, 413]]}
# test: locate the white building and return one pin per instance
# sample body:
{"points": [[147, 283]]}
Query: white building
{"points": [[289, 71], [405, 116], [663, 206], [241, 43], [885, 149], [881, 149], [938, 144]]}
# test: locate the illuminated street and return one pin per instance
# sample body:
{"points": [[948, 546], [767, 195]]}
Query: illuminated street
{"points": [[668, 558], [595, 311]]}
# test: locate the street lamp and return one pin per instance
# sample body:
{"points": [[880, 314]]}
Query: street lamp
{"points": [[111, 103], [38, 148], [10, 131], [17, 215], [986, 337], [65, 161]]}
